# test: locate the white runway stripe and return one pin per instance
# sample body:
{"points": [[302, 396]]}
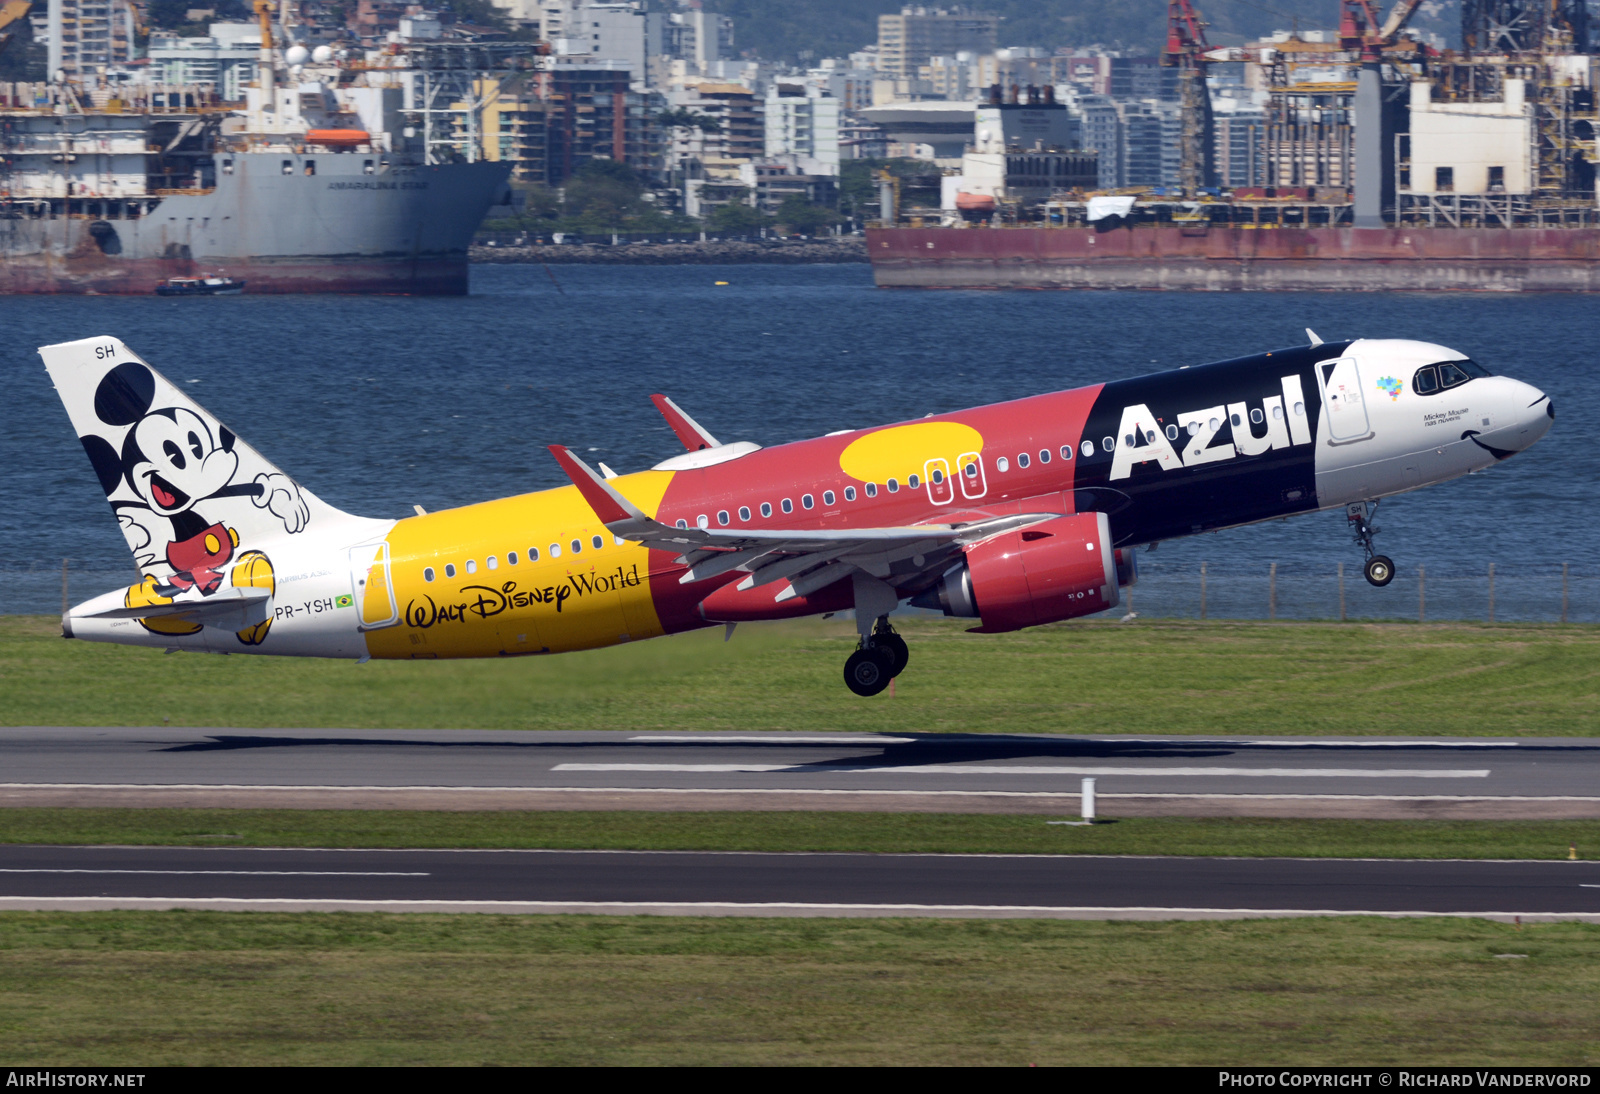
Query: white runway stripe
{"points": [[755, 908], [975, 769], [236, 873], [771, 739]]}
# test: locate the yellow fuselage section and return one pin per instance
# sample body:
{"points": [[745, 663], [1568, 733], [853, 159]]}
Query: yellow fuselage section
{"points": [[535, 573]]}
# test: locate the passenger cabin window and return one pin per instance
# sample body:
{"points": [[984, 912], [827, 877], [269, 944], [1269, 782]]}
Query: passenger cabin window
{"points": [[1044, 455], [511, 558], [1022, 459], [1002, 464], [744, 512], [472, 565], [937, 477], [701, 521], [596, 542], [533, 554], [827, 497], [427, 573], [788, 506], [808, 501], [492, 563], [894, 486], [1172, 432], [872, 489], [1088, 449], [1066, 452], [1108, 443], [555, 550], [577, 546], [683, 524], [723, 518], [1256, 416], [766, 508], [449, 569], [849, 493]]}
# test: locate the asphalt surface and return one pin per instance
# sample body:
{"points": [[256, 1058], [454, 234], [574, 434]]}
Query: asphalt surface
{"points": [[755, 883], [161, 756]]}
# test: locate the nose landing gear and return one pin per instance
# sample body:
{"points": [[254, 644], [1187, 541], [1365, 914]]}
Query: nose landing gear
{"points": [[881, 657], [1379, 570]]}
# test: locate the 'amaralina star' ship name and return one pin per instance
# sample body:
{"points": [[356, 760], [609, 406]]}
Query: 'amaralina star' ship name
{"points": [[375, 185]]}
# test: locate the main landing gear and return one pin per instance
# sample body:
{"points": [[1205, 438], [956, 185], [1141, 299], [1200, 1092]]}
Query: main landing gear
{"points": [[881, 657], [1379, 569]]}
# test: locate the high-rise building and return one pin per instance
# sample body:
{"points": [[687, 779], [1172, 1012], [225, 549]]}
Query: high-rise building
{"points": [[908, 41], [591, 113], [802, 127], [82, 37]]}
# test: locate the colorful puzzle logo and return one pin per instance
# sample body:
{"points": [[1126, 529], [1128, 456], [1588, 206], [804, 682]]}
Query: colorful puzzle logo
{"points": [[1392, 386]]}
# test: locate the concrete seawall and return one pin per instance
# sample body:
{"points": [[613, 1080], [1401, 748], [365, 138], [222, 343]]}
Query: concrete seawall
{"points": [[715, 252]]}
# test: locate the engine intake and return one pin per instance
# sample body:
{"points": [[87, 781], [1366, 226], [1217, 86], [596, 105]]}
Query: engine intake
{"points": [[1057, 570]]}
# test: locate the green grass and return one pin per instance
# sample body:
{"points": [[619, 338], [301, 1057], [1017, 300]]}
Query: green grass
{"points": [[1081, 677], [800, 831], [134, 989]]}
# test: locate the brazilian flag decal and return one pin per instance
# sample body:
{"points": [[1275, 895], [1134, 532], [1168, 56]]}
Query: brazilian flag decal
{"points": [[345, 601]]}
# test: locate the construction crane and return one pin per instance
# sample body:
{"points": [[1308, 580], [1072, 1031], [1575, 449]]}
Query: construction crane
{"points": [[1186, 51], [1359, 28]]}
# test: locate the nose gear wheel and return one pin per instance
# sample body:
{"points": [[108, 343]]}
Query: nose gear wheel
{"points": [[1379, 569]]}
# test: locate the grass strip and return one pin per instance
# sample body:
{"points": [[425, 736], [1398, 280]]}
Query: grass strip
{"points": [[148, 988], [803, 831], [1087, 676]]}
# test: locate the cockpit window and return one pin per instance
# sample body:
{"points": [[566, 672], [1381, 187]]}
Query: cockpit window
{"points": [[1445, 375]]}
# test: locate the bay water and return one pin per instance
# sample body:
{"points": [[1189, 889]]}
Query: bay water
{"points": [[380, 403]]}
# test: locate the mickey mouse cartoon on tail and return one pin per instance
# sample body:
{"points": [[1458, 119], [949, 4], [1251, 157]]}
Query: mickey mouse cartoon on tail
{"points": [[187, 493]]}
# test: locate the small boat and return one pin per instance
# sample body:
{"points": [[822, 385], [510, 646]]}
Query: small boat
{"points": [[200, 286]]}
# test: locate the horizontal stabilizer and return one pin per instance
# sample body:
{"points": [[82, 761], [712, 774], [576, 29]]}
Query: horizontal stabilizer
{"points": [[223, 605]]}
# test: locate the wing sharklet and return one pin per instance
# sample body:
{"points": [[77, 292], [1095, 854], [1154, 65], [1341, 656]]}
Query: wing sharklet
{"points": [[691, 434]]}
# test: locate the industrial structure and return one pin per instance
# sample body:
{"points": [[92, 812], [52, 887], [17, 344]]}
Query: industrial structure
{"points": [[1466, 169]]}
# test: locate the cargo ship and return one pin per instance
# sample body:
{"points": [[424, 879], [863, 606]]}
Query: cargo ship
{"points": [[319, 181], [1376, 163]]}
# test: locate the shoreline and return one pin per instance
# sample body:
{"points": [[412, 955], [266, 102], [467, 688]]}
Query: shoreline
{"points": [[712, 252]]}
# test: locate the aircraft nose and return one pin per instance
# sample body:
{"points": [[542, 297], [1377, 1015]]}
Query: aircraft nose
{"points": [[1536, 415]]}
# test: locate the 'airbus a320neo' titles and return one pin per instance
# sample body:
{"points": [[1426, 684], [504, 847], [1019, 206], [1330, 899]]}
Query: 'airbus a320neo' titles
{"points": [[1012, 514]]}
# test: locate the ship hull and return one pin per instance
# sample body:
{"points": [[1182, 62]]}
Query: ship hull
{"points": [[342, 229], [1239, 259]]}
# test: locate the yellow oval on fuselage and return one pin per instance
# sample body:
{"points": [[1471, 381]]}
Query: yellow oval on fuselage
{"points": [[903, 450], [558, 600]]}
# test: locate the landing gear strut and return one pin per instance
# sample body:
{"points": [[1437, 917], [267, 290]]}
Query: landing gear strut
{"points": [[1379, 569], [881, 657]]}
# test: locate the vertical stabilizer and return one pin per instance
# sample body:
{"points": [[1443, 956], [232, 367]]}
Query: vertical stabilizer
{"points": [[191, 497]]}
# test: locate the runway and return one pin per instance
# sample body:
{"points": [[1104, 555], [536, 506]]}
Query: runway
{"points": [[701, 883], [1542, 778]]}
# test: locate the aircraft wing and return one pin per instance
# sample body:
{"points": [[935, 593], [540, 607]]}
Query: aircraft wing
{"points": [[810, 559]]}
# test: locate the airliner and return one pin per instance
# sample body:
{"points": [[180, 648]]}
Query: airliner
{"points": [[1012, 515]]}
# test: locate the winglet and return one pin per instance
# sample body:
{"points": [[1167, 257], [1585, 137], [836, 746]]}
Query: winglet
{"points": [[1311, 334], [691, 434], [609, 505]]}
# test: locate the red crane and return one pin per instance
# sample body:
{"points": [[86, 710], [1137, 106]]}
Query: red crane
{"points": [[1185, 51]]}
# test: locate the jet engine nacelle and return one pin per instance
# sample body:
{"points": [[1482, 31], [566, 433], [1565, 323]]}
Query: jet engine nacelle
{"points": [[1056, 570]]}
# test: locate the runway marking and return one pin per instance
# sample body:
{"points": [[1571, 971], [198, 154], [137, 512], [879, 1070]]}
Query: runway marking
{"points": [[247, 873], [794, 908], [798, 790], [969, 769], [775, 740]]}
